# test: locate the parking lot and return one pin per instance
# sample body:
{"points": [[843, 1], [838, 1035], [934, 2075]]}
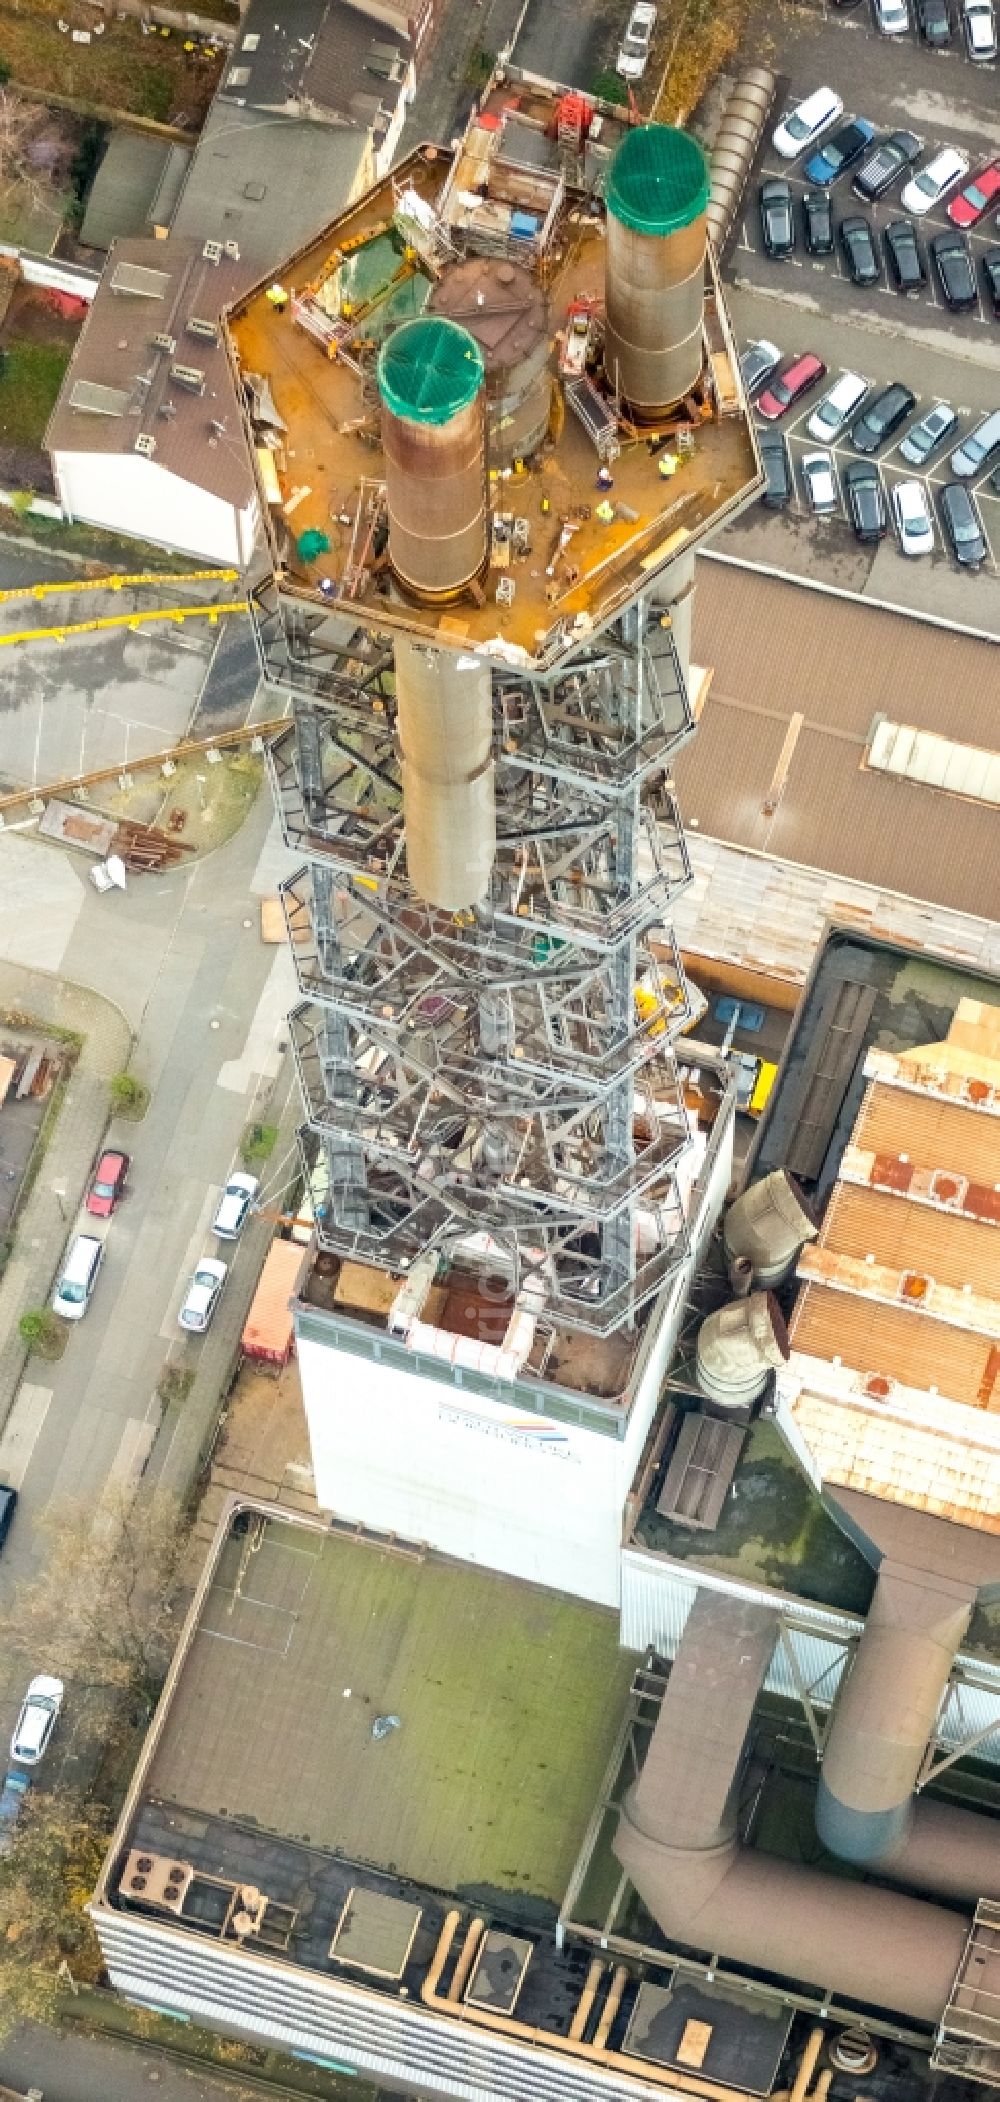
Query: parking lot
{"points": [[806, 303]]}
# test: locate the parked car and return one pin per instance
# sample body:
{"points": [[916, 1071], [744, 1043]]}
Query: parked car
{"points": [[860, 252], [962, 526], [837, 407], [898, 150], [990, 262], [820, 483], [934, 21], [928, 187], [37, 1720], [794, 379], [865, 499], [968, 207], [806, 122], [979, 24], [633, 54], [906, 264], [758, 362], [892, 17], [930, 432], [777, 491], [777, 220], [955, 273], [80, 1272], [16, 1784], [978, 448], [913, 518], [234, 1207], [107, 1183], [882, 416], [817, 222], [840, 151], [8, 1504], [202, 1296]]}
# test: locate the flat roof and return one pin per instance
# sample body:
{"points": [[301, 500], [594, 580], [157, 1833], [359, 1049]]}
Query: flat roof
{"points": [[779, 650], [377, 265], [508, 1699]]}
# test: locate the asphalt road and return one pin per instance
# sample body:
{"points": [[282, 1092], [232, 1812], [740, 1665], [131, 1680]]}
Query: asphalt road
{"points": [[72, 2068], [806, 304]]}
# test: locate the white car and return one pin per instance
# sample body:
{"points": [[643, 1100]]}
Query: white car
{"points": [[821, 487], [980, 27], [837, 407], [913, 518], [234, 1207], [806, 122], [37, 1720], [634, 51], [926, 189], [892, 17], [203, 1294]]}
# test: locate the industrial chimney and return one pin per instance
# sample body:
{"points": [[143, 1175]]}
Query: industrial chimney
{"points": [[657, 197], [430, 379]]}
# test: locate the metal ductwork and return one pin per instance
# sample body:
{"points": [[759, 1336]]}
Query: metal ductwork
{"points": [[886, 1712], [677, 1839], [656, 198], [738, 137], [738, 1346], [770, 1223]]}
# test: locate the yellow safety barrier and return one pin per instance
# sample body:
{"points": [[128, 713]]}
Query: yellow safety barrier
{"points": [[123, 620], [118, 583]]}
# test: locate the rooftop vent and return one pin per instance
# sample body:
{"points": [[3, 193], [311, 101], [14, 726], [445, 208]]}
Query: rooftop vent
{"points": [[375, 1932], [498, 1971], [212, 251], [153, 1879], [233, 251], [208, 331], [96, 400], [189, 376], [145, 444], [161, 341]]}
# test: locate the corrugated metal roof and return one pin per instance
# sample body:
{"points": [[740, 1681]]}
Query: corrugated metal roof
{"points": [[777, 650]]}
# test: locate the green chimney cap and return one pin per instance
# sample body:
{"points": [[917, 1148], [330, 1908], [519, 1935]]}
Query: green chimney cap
{"points": [[429, 369], [659, 180]]}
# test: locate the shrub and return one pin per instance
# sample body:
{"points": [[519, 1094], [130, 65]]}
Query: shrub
{"points": [[129, 1096], [41, 1331]]}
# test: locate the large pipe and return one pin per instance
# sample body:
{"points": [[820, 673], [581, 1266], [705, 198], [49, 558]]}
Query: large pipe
{"points": [[677, 1839], [886, 1711], [445, 726], [770, 1223], [430, 380], [654, 289]]}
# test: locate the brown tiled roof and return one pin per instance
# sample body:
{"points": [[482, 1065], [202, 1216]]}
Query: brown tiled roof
{"points": [[115, 349], [897, 1342], [777, 649], [913, 1237], [933, 1134]]}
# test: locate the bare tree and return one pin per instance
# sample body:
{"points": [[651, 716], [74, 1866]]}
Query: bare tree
{"points": [[102, 1612], [46, 1879], [19, 171]]}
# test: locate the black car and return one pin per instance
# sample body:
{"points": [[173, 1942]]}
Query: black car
{"points": [[893, 154], [777, 221], [882, 416], [860, 253], [961, 523], [757, 363], [777, 491], [935, 22], [865, 499], [817, 222], [906, 264], [991, 277], [8, 1498], [955, 272]]}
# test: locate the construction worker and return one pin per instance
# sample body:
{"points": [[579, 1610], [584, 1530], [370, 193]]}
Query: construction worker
{"points": [[605, 512], [545, 506], [668, 464], [277, 298], [605, 478]]}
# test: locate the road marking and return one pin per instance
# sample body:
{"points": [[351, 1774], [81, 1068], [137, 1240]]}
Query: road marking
{"points": [[21, 1432]]}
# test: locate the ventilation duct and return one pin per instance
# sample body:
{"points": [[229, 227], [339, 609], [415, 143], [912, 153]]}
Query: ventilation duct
{"points": [[743, 120], [769, 1224], [737, 1348]]}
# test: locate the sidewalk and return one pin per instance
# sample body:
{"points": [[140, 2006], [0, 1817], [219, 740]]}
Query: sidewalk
{"points": [[43, 1224]]}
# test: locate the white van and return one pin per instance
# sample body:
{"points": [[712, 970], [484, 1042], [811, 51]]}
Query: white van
{"points": [[805, 123], [79, 1276]]}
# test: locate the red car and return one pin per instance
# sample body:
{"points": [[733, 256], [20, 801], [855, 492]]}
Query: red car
{"points": [[107, 1184], [791, 381], [977, 196]]}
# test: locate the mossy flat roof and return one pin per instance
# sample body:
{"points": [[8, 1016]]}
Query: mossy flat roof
{"points": [[509, 1698]]}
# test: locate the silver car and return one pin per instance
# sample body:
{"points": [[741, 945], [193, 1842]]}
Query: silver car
{"points": [[918, 444]]}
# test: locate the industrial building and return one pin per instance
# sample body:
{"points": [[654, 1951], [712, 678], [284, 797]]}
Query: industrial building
{"points": [[510, 1780]]}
